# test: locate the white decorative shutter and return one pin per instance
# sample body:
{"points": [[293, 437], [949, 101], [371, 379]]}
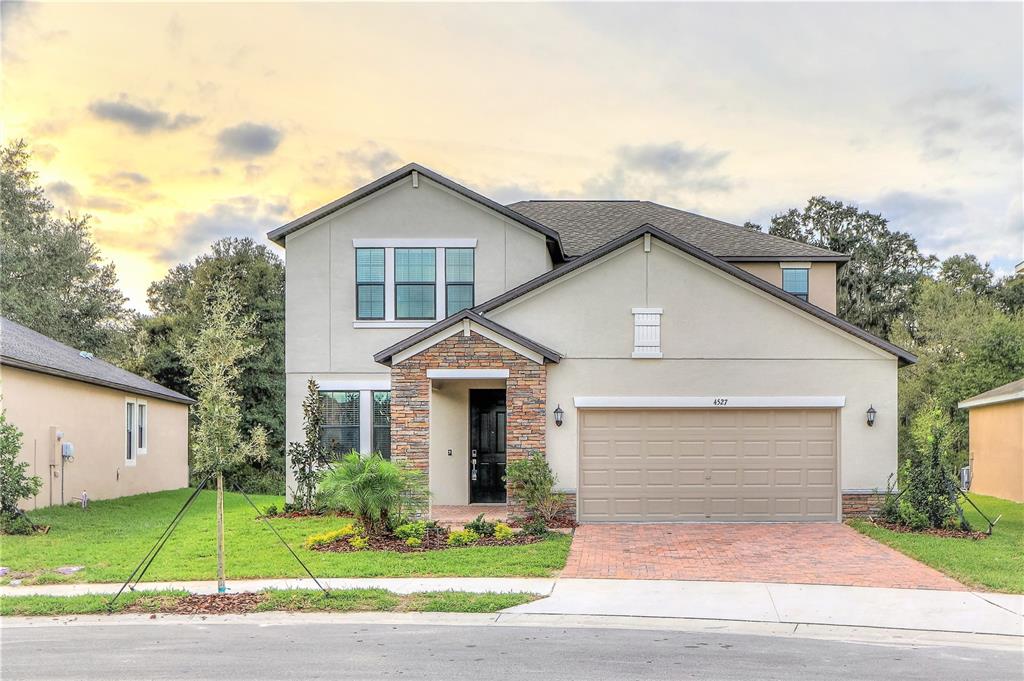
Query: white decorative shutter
{"points": [[647, 331]]}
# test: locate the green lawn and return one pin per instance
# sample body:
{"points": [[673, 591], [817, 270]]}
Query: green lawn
{"points": [[112, 537], [996, 563], [345, 600]]}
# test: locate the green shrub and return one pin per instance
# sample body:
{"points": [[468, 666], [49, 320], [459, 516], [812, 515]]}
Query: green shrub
{"points": [[379, 493], [358, 542], [271, 511], [535, 526], [416, 530], [482, 527], [462, 538], [889, 511], [15, 483], [911, 517], [503, 532], [532, 481], [414, 542], [15, 523], [329, 537]]}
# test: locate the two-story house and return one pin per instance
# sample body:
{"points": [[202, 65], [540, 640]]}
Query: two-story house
{"points": [[671, 366]]}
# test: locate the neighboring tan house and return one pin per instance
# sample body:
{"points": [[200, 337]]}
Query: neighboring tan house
{"points": [[129, 435], [996, 421], [671, 366]]}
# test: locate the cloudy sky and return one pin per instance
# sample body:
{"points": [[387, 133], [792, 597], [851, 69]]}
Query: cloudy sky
{"points": [[177, 124]]}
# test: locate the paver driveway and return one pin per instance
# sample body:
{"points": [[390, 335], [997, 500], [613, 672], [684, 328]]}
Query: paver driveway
{"points": [[795, 553]]}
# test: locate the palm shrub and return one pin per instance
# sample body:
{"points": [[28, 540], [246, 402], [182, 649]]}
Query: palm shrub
{"points": [[379, 493]]}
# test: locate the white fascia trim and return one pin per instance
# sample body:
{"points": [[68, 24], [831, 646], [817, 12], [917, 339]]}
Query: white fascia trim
{"points": [[385, 324], [380, 384], [647, 355], [996, 399], [710, 401], [414, 243], [795, 265], [648, 310], [467, 373]]}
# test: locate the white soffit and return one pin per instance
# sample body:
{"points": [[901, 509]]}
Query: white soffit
{"points": [[709, 401]]}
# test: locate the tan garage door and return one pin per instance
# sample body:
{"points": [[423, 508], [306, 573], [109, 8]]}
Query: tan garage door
{"points": [[707, 465]]}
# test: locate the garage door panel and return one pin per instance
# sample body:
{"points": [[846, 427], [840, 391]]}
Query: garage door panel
{"points": [[690, 464]]}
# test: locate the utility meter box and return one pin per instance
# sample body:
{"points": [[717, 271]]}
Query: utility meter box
{"points": [[67, 450]]}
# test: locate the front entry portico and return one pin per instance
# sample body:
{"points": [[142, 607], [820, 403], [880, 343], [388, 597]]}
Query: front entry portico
{"points": [[472, 386]]}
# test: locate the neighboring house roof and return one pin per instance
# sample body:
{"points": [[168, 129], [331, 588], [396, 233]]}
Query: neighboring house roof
{"points": [[631, 236], [278, 235], [23, 348], [586, 225], [384, 356], [1010, 392]]}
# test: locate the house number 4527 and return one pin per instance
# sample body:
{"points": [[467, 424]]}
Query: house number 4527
{"points": [[721, 401]]}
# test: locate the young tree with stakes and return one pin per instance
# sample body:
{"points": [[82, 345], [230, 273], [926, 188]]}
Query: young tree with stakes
{"points": [[213, 362]]}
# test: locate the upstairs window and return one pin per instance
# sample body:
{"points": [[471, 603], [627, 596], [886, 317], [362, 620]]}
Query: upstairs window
{"points": [[794, 281], [415, 284], [370, 283], [459, 275], [339, 411]]}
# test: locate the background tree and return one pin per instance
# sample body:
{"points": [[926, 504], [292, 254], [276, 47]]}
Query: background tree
{"points": [[308, 457], [255, 277], [53, 279], [213, 362], [880, 281]]}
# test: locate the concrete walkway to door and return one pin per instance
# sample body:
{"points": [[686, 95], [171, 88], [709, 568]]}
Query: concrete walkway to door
{"points": [[791, 553]]}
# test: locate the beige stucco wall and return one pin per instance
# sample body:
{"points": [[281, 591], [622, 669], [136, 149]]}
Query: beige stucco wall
{"points": [[320, 339], [997, 450], [449, 429], [821, 280], [93, 419], [720, 336]]}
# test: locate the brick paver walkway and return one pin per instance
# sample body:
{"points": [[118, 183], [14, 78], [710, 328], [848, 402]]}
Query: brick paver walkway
{"points": [[788, 553]]}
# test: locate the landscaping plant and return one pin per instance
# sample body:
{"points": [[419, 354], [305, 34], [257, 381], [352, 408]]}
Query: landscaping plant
{"points": [[15, 483], [379, 493], [213, 361], [462, 537], [482, 527], [308, 457], [532, 481]]}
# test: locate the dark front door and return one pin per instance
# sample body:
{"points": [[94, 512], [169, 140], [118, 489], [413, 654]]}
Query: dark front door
{"points": [[486, 446]]}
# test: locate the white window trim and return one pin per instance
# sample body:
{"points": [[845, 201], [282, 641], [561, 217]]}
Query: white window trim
{"points": [[144, 448], [414, 243], [708, 401], [131, 453], [440, 280], [648, 351]]}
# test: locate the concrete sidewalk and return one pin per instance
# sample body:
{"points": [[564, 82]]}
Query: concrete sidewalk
{"points": [[846, 606]]}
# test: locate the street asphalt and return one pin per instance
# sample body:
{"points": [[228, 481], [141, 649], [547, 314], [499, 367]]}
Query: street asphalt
{"points": [[297, 648]]}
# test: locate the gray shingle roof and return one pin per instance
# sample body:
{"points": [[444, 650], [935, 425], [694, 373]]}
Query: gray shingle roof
{"points": [[585, 225], [24, 348], [1011, 392]]}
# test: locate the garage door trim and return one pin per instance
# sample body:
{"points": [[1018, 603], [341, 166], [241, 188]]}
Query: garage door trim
{"points": [[710, 402]]}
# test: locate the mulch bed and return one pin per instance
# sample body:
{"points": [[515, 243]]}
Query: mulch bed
{"points": [[306, 514], [560, 523], [951, 534], [212, 604], [433, 541]]}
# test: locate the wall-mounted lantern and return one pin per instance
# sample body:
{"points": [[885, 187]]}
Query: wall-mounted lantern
{"points": [[871, 415], [559, 415]]}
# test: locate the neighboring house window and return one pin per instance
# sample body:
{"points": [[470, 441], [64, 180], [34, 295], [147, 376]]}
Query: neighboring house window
{"points": [[458, 263], [795, 281], [381, 423], [130, 448], [340, 421], [141, 426], [647, 332], [370, 283], [415, 283]]}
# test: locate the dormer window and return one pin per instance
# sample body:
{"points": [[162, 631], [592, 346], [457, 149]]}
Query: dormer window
{"points": [[795, 281]]}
